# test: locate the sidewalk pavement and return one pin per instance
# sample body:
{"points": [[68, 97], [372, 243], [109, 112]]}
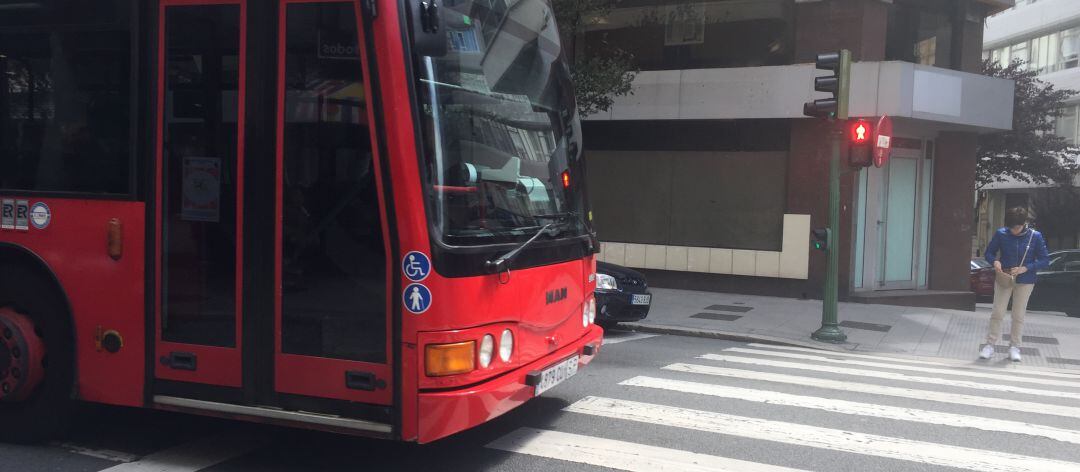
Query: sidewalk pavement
{"points": [[1050, 340]]}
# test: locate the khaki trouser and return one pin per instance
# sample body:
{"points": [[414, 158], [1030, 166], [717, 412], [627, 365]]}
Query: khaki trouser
{"points": [[1004, 289]]}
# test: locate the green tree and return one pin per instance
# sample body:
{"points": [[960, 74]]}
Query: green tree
{"points": [[606, 71], [1030, 152]]}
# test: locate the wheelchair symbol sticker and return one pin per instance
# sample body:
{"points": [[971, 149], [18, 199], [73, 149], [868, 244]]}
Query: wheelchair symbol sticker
{"points": [[416, 266], [417, 298]]}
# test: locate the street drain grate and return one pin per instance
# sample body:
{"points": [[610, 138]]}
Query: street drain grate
{"points": [[731, 308], [1034, 339], [867, 326], [716, 316], [1062, 360], [1027, 351]]}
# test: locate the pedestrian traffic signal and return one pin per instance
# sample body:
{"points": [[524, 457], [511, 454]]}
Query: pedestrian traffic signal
{"points": [[839, 63], [821, 238], [860, 143]]}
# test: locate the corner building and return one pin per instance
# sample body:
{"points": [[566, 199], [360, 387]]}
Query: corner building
{"points": [[709, 177]]}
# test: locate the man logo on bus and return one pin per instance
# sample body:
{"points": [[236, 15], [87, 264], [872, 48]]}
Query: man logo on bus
{"points": [[417, 298], [416, 266]]}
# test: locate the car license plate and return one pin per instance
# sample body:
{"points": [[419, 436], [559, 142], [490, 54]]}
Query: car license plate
{"points": [[556, 374], [640, 299]]}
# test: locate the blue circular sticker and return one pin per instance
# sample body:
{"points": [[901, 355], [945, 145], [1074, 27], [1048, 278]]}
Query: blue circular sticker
{"points": [[417, 298], [416, 266], [40, 216]]}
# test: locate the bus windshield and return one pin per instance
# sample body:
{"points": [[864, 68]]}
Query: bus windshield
{"points": [[502, 133]]}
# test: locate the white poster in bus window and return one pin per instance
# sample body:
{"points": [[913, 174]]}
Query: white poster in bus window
{"points": [[201, 195], [685, 24]]}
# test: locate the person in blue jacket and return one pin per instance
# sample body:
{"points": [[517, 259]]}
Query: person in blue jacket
{"points": [[1017, 253]]}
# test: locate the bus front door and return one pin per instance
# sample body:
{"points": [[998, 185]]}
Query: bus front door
{"points": [[332, 309], [312, 331]]}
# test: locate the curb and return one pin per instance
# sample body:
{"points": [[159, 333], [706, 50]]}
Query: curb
{"points": [[734, 336], [778, 341]]}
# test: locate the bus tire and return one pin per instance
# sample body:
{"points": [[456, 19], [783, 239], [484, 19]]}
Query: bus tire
{"points": [[31, 298]]}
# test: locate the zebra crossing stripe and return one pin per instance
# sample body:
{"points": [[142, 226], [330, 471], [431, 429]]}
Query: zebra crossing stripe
{"points": [[891, 365], [197, 455], [890, 376], [818, 437], [859, 409], [620, 455], [886, 390], [1014, 370]]}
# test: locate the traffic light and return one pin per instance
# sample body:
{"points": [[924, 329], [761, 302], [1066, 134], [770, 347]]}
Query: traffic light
{"points": [[821, 238], [860, 143], [839, 63]]}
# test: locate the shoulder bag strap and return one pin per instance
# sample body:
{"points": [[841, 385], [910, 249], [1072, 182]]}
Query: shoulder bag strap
{"points": [[1028, 248]]}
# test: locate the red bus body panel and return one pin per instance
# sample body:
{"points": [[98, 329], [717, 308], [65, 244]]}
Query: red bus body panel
{"points": [[448, 412], [104, 294]]}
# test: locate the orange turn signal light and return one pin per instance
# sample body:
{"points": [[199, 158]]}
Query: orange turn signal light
{"points": [[449, 359]]}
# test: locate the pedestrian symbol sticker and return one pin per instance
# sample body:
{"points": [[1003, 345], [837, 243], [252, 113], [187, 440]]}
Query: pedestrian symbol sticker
{"points": [[416, 266], [417, 298]]}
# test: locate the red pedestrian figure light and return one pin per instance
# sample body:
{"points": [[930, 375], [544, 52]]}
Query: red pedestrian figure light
{"points": [[860, 132]]}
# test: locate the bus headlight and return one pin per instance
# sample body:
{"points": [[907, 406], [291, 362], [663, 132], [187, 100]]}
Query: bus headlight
{"points": [[585, 315], [487, 349], [592, 310], [506, 345]]}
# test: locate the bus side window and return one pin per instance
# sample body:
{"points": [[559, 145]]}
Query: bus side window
{"points": [[66, 97]]}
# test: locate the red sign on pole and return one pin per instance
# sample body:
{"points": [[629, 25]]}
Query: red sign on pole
{"points": [[883, 134]]}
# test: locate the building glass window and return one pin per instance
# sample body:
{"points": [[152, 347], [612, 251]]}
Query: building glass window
{"points": [[684, 24], [1044, 54], [1070, 48], [919, 32], [686, 34], [1066, 125], [66, 97], [1020, 53], [926, 51]]}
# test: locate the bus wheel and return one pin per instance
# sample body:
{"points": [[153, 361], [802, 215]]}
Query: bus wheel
{"points": [[22, 357], [36, 359]]}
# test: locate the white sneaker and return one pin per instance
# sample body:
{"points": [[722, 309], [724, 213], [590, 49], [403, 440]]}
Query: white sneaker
{"points": [[987, 351], [1014, 354]]}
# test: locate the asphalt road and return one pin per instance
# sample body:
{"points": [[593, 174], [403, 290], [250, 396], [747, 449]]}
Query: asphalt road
{"points": [[657, 403]]}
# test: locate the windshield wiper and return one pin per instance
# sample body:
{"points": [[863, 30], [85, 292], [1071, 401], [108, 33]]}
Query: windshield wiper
{"points": [[497, 264]]}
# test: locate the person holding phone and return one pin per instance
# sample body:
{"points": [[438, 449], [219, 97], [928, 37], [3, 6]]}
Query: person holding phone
{"points": [[1017, 253]]}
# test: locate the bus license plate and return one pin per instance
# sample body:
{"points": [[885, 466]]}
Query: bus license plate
{"points": [[556, 374], [640, 299]]}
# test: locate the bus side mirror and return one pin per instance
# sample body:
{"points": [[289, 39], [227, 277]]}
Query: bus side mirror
{"points": [[428, 28]]}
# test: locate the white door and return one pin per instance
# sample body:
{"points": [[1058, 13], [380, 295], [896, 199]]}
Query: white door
{"points": [[896, 219]]}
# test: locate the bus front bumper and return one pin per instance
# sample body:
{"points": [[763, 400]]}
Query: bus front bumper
{"points": [[447, 412]]}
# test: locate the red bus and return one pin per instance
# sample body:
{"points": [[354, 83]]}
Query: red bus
{"points": [[366, 217]]}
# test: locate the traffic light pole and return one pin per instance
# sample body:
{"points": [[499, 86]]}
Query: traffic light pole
{"points": [[830, 327]]}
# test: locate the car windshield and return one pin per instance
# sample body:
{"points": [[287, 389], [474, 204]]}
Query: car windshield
{"points": [[501, 129], [979, 264]]}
